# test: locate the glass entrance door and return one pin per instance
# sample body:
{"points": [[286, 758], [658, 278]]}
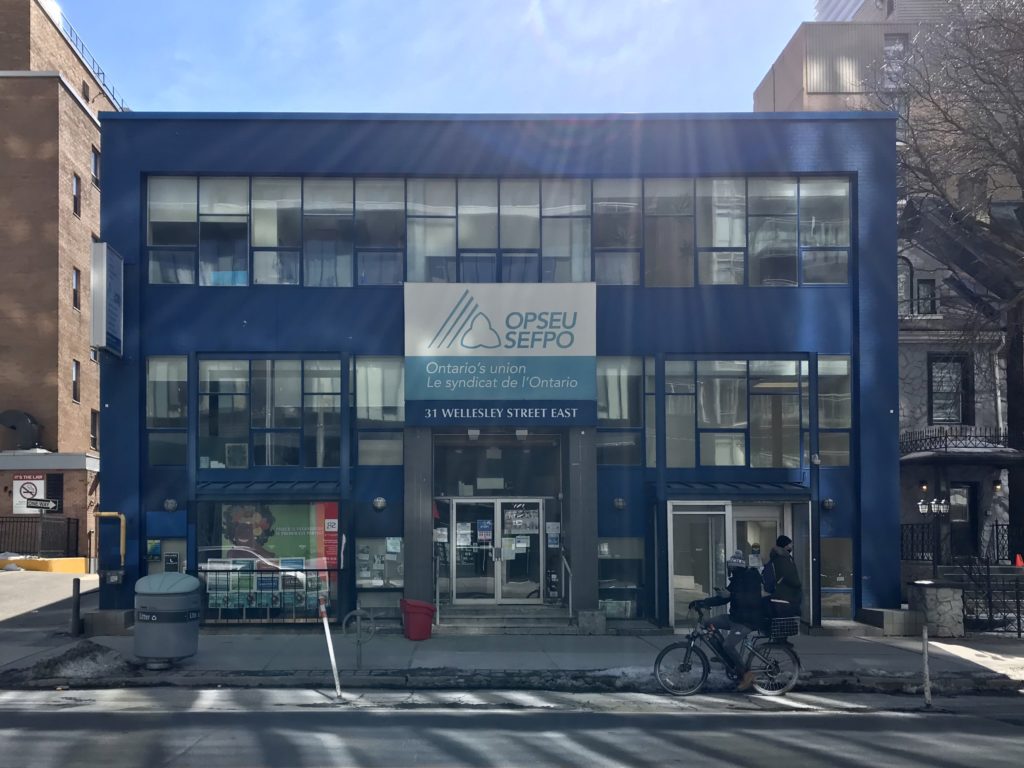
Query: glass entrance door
{"points": [[472, 545], [700, 536], [498, 550], [522, 550]]}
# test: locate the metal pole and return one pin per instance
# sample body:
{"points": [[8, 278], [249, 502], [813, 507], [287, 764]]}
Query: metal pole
{"points": [[359, 640], [936, 545], [927, 675], [330, 647], [1016, 598], [39, 536], [76, 607]]}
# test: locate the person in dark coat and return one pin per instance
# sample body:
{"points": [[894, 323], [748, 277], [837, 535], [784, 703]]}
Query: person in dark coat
{"points": [[788, 590], [746, 613]]}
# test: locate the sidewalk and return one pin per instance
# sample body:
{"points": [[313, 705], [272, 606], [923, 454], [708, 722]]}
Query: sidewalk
{"points": [[258, 657]]}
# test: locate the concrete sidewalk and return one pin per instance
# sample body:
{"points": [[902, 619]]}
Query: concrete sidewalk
{"points": [[260, 657]]}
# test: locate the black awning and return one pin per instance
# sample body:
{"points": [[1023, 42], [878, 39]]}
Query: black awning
{"points": [[739, 490], [256, 490]]}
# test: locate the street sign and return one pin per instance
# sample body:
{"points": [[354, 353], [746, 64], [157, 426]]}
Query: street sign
{"points": [[51, 505]]}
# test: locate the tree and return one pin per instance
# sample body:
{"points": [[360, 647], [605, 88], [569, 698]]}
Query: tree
{"points": [[959, 90]]}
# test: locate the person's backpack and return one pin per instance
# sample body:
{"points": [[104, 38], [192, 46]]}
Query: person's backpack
{"points": [[768, 578]]}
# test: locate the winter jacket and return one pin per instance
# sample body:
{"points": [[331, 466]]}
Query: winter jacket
{"points": [[745, 604], [787, 580]]}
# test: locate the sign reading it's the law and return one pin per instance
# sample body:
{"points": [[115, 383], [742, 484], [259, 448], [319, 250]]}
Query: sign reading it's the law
{"points": [[501, 354]]}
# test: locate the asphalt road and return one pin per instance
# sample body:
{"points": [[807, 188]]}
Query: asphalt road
{"points": [[228, 728]]}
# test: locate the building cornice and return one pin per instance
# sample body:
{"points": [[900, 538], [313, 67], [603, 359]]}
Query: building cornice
{"points": [[67, 87], [27, 461]]}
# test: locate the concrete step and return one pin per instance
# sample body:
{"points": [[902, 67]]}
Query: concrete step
{"points": [[479, 629]]}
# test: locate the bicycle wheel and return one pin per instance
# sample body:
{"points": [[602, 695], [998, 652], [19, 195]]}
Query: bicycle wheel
{"points": [[681, 668], [778, 670]]}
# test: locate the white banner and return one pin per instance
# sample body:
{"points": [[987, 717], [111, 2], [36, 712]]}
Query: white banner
{"points": [[28, 485]]}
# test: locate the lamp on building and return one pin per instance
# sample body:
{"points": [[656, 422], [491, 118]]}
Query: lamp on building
{"points": [[474, 434], [828, 504], [937, 509], [619, 503], [923, 485], [170, 505], [522, 433], [379, 503], [997, 485]]}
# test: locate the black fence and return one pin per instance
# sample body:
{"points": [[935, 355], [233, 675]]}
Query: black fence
{"points": [[21, 534], [250, 592], [944, 438], [918, 544], [992, 601]]}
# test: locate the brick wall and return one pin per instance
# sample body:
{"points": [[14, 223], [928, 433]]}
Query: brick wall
{"points": [[28, 219], [81, 495], [14, 34]]}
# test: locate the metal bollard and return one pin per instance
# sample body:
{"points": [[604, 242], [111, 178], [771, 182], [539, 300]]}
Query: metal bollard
{"points": [[1016, 598], [330, 647], [927, 675], [76, 607]]}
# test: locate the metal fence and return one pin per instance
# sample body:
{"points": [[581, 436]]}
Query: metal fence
{"points": [[992, 601], [248, 592], [918, 544], [45, 535]]}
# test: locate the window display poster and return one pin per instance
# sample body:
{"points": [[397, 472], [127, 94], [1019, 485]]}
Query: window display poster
{"points": [[272, 531], [522, 518], [522, 543], [393, 545], [484, 531], [441, 535], [463, 534]]}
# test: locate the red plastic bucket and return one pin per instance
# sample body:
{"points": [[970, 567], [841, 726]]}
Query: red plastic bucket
{"points": [[417, 619]]}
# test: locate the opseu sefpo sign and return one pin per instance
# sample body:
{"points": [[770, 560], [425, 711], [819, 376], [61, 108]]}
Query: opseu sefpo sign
{"points": [[508, 354]]}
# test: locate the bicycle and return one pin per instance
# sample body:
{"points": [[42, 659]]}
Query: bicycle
{"points": [[682, 668]]}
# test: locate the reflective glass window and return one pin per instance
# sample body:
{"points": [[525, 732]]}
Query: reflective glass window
{"points": [[619, 391], [478, 213], [380, 213], [566, 250], [520, 213], [172, 212], [721, 213], [825, 211], [276, 212], [617, 213]]}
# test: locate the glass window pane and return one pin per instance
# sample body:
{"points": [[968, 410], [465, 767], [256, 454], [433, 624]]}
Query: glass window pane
{"points": [[431, 197], [275, 268], [224, 251], [478, 268], [223, 432], [668, 197], [224, 196], [276, 394], [805, 396], [721, 267], [224, 376], [322, 429], [566, 250], [824, 211], [834, 448], [721, 213], [275, 449], [775, 430], [722, 393], [680, 434], [381, 267], [172, 267], [167, 449], [327, 196], [773, 250], [621, 448], [172, 210], [520, 267], [619, 391], [679, 377], [430, 241], [565, 197], [321, 376], [520, 213], [778, 376], [380, 389], [834, 401], [380, 213], [276, 205], [771, 196], [668, 251], [380, 448], [617, 213], [650, 430], [722, 449], [167, 392], [650, 375], [826, 267], [327, 250], [478, 213], [617, 267]]}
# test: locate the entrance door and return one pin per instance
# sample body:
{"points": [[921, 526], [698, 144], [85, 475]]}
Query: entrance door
{"points": [[757, 528], [498, 550], [472, 544], [699, 542]]}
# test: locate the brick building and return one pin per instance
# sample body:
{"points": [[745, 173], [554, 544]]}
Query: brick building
{"points": [[51, 93]]}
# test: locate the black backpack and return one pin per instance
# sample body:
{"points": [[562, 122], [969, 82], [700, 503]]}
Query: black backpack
{"points": [[768, 578]]}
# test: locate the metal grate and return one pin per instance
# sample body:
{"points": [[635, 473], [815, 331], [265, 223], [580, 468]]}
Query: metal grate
{"points": [[784, 627], [248, 592]]}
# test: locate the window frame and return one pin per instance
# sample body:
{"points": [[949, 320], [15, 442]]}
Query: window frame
{"points": [[76, 288], [965, 390], [76, 195], [76, 381]]}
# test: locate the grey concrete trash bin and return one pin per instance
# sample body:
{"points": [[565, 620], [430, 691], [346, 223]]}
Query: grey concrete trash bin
{"points": [[167, 607]]}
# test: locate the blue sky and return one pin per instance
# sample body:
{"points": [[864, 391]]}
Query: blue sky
{"points": [[437, 55]]}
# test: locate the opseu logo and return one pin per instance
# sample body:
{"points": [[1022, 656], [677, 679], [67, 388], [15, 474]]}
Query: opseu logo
{"points": [[470, 328]]}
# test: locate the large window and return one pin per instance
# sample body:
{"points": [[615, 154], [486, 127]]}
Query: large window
{"points": [[223, 414], [825, 229], [950, 389], [835, 409], [378, 391], [276, 412], [173, 229], [722, 412], [224, 231], [680, 410], [668, 232], [166, 410], [276, 230], [774, 413], [380, 231], [772, 220], [565, 230], [617, 231], [431, 231], [327, 226]]}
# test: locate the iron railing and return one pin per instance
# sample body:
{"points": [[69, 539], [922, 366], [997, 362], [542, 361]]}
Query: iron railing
{"points": [[90, 61], [21, 534], [992, 601], [951, 437], [248, 592], [917, 544]]}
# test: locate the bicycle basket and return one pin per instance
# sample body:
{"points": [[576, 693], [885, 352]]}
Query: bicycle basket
{"points": [[785, 627]]}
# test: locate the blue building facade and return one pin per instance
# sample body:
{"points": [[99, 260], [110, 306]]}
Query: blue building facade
{"points": [[513, 359]]}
